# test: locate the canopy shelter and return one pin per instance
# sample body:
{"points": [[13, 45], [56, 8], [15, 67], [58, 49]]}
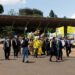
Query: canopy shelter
{"points": [[32, 23]]}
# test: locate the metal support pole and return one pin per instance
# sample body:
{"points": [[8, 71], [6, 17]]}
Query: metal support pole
{"points": [[65, 31], [45, 30]]}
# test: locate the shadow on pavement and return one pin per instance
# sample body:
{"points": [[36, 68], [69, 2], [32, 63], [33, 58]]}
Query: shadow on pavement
{"points": [[7, 59], [30, 62]]}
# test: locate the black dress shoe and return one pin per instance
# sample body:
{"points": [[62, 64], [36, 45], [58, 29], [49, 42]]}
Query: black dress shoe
{"points": [[50, 60], [27, 61], [23, 61]]}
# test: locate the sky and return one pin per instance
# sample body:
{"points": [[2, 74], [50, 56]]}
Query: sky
{"points": [[60, 7]]}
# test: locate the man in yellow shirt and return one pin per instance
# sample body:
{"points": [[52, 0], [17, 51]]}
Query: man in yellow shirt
{"points": [[36, 46]]}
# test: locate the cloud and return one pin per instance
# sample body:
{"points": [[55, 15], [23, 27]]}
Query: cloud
{"points": [[73, 16], [9, 2]]}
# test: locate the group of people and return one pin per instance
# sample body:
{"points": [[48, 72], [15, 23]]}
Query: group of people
{"points": [[36, 47], [16, 45]]}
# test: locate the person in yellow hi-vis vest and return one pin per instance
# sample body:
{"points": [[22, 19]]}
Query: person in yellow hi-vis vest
{"points": [[36, 46], [40, 47]]}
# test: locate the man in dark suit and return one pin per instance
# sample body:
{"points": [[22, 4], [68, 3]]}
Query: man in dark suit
{"points": [[16, 46], [53, 51], [59, 49], [68, 46], [7, 48]]}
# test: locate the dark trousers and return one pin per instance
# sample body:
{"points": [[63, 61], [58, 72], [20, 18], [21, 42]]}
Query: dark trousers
{"points": [[68, 51], [48, 51], [52, 56], [53, 53], [60, 54], [36, 52], [43, 49], [7, 53], [16, 51]]}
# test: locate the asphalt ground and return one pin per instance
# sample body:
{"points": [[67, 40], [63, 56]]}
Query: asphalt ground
{"points": [[37, 66]]}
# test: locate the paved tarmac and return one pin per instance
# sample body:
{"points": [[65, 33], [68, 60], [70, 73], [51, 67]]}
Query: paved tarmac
{"points": [[37, 66]]}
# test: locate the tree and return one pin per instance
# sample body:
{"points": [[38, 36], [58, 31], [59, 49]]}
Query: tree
{"points": [[1, 9], [12, 12], [30, 12], [26, 11], [65, 17], [52, 14], [37, 12], [55, 16], [8, 30], [51, 30]]}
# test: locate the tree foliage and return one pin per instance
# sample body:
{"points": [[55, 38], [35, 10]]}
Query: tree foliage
{"points": [[11, 12], [52, 14], [37, 12], [1, 8], [8, 30], [65, 17], [26, 11], [51, 30], [30, 12]]}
